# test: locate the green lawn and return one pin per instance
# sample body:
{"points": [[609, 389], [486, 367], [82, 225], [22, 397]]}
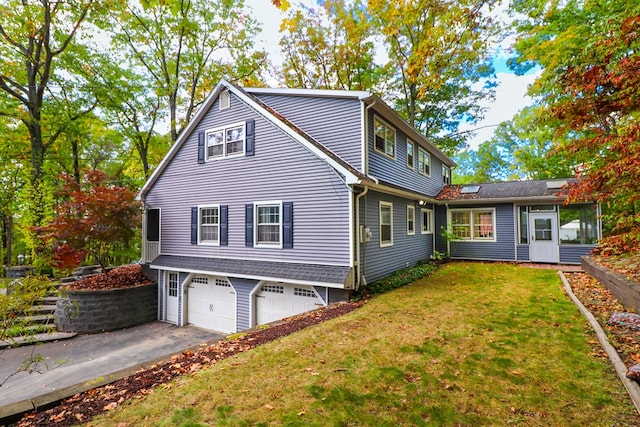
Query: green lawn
{"points": [[474, 344]]}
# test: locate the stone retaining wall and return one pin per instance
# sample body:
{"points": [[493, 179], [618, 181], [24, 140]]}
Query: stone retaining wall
{"points": [[625, 290], [106, 310]]}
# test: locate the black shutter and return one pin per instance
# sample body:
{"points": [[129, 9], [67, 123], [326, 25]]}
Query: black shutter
{"points": [[248, 225], [224, 225], [201, 147], [194, 226], [153, 225], [287, 225], [251, 137]]}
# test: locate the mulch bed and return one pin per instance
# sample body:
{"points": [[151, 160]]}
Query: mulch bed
{"points": [[602, 305], [84, 406]]}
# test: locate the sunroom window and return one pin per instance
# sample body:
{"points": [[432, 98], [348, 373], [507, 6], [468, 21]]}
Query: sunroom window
{"points": [[578, 224], [473, 224]]}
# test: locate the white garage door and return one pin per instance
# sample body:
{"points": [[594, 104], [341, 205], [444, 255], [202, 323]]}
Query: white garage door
{"points": [[275, 301], [211, 304]]}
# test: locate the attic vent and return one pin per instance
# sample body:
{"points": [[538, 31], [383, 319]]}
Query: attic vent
{"points": [[470, 189], [556, 185], [225, 100]]}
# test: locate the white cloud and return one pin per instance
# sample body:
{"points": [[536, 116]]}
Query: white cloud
{"points": [[511, 97]]}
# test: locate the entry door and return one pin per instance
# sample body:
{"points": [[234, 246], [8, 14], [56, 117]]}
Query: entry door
{"points": [[172, 297], [543, 246]]}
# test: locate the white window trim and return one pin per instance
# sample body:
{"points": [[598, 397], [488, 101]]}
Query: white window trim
{"points": [[208, 242], [256, 205], [395, 138], [422, 150], [411, 209], [471, 211], [446, 175], [390, 206], [430, 225], [411, 166], [224, 143]]}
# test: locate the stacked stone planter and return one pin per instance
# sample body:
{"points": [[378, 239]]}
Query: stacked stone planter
{"points": [[93, 311]]}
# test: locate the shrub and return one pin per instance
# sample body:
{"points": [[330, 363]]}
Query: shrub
{"points": [[401, 277]]}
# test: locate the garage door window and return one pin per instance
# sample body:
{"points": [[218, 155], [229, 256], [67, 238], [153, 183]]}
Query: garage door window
{"points": [[273, 288], [301, 292], [222, 282]]}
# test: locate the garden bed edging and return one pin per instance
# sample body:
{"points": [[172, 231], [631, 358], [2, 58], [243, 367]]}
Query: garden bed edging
{"points": [[94, 311], [625, 290]]}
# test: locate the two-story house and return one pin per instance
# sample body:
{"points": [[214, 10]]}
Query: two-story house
{"points": [[273, 202]]}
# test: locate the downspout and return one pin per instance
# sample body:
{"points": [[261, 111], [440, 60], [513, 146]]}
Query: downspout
{"points": [[365, 168], [358, 234]]}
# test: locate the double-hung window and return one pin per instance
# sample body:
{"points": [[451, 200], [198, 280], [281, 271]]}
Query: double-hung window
{"points": [[446, 175], [411, 220], [386, 224], [427, 221], [384, 138], [424, 162], [209, 225], [225, 141], [411, 152], [268, 224], [473, 224]]}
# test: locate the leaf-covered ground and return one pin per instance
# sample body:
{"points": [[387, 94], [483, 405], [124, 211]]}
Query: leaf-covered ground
{"points": [[126, 276], [84, 406], [627, 265]]}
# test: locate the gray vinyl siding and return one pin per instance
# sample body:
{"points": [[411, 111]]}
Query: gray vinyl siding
{"points": [[334, 122], [503, 249], [378, 262], [395, 171], [523, 252], [570, 254], [244, 305], [280, 170]]}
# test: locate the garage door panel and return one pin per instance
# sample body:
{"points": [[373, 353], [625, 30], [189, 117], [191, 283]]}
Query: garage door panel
{"points": [[212, 304], [277, 301]]}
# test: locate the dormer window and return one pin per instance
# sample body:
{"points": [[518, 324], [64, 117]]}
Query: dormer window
{"points": [[226, 141], [384, 138]]}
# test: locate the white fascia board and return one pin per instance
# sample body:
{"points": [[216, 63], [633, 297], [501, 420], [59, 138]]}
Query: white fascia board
{"points": [[349, 177], [318, 93], [407, 194]]}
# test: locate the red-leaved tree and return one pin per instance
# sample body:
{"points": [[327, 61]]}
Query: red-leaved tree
{"points": [[601, 106], [94, 218]]}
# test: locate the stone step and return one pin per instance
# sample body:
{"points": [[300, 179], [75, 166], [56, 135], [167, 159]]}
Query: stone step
{"points": [[36, 338], [43, 308], [40, 319]]}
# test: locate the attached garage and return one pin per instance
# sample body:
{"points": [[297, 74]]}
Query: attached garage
{"points": [[275, 301], [211, 303]]}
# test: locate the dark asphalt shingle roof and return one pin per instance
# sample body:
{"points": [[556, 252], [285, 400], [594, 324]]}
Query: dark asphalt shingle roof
{"points": [[507, 190], [262, 270]]}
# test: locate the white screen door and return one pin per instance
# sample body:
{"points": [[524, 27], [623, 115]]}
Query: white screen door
{"points": [[543, 243]]}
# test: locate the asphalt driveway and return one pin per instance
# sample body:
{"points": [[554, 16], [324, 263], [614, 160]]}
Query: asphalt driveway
{"points": [[86, 361]]}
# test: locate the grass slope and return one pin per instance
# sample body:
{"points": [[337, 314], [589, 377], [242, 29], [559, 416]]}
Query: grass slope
{"points": [[474, 344]]}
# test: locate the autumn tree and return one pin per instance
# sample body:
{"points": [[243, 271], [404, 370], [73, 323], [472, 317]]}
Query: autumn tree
{"points": [[94, 218], [329, 47], [441, 54], [521, 148], [590, 83], [180, 49]]}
